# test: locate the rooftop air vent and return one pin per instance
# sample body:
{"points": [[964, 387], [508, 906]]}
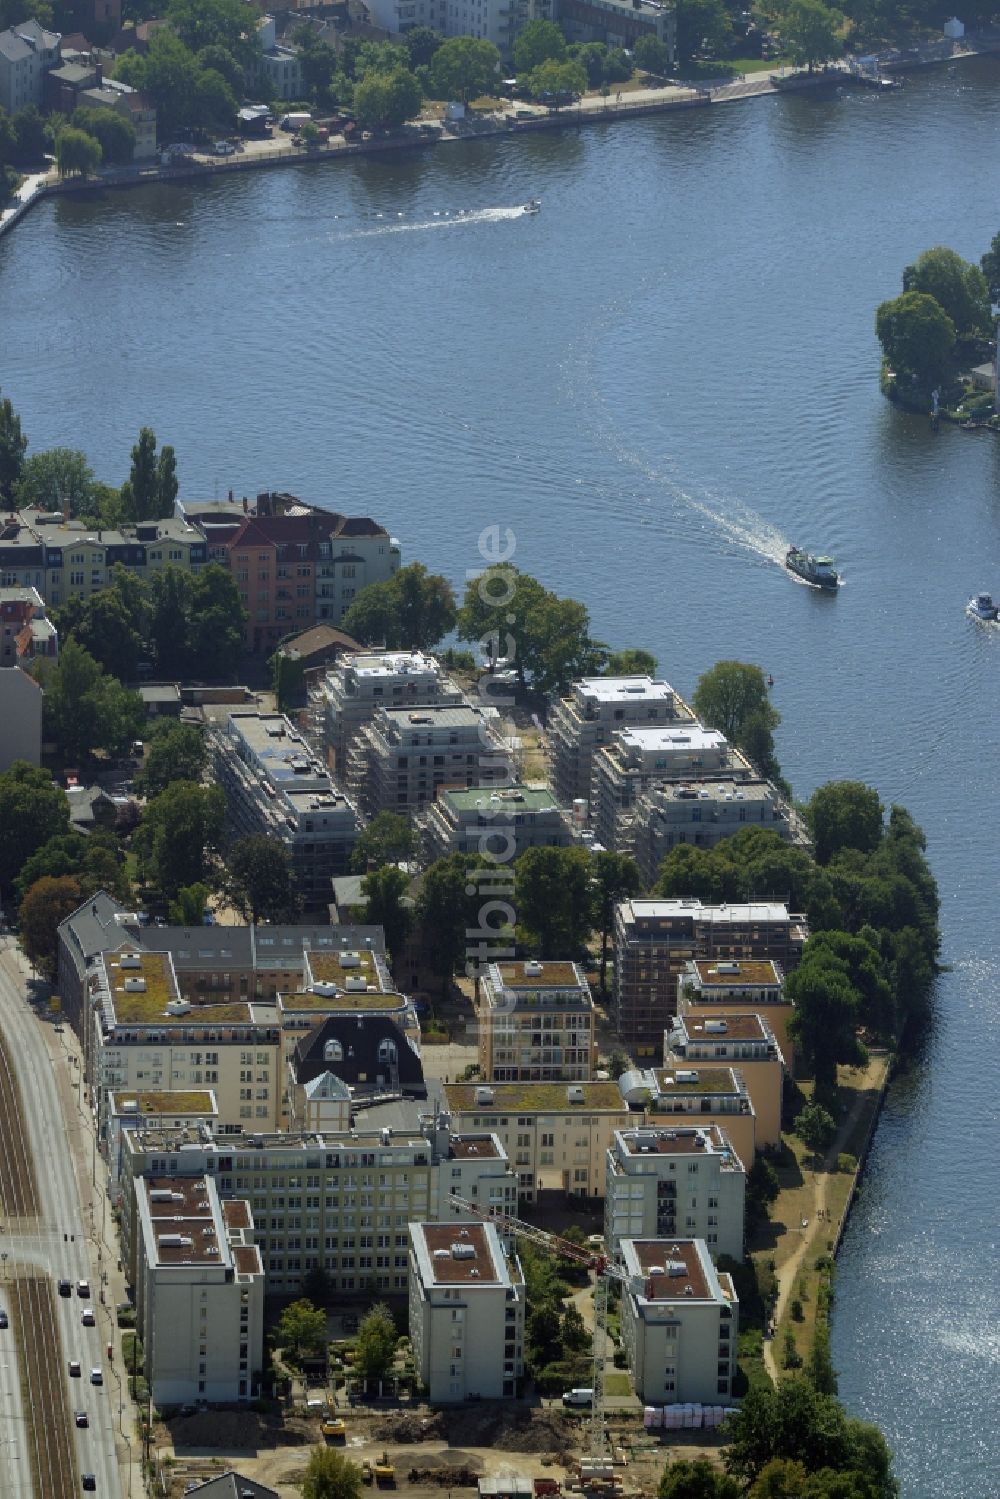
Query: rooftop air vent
{"points": [[135, 986], [574, 1094], [130, 960], [532, 969]]}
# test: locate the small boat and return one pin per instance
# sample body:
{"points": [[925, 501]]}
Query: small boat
{"points": [[533, 205], [819, 571], [981, 606]]}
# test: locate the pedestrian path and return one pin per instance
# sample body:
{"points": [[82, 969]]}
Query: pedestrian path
{"points": [[31, 188]]}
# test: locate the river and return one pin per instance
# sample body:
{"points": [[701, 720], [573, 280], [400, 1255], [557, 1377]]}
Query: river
{"points": [[657, 383]]}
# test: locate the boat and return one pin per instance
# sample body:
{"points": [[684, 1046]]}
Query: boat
{"points": [[819, 571], [533, 205], [981, 605]]}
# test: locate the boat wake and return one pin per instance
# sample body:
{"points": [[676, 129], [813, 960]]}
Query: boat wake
{"points": [[445, 218]]}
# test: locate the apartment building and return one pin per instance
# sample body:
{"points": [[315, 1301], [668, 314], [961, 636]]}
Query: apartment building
{"points": [[340, 1201], [199, 1292], [666, 814], [556, 1134], [372, 1055], [738, 986], [27, 51], [398, 761], [278, 69], [466, 1312], [654, 939], [348, 696], [20, 718], [275, 785], [536, 1023], [637, 757], [497, 825], [595, 709], [715, 1095], [745, 1042], [65, 560], [681, 1330], [663, 1182], [188, 1109], [26, 632], [496, 21]]}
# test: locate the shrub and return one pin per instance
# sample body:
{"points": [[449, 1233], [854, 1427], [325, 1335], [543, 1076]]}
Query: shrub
{"points": [[796, 1310], [847, 1163], [792, 1358]]}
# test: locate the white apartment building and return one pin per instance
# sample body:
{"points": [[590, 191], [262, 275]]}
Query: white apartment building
{"points": [[199, 1292], [699, 813], [398, 761], [495, 825], [192, 1109], [684, 1095], [278, 68], [681, 1332], [707, 988], [466, 1312], [496, 21], [27, 52], [348, 696], [743, 1041], [556, 1134], [663, 1182], [595, 709], [339, 1201], [275, 785], [639, 756], [536, 1023]]}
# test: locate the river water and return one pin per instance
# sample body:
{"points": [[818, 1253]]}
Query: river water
{"points": [[657, 384]]}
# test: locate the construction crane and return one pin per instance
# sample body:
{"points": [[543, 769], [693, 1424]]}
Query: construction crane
{"points": [[605, 1271]]}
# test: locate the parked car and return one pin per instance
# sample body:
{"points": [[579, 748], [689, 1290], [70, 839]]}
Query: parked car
{"points": [[577, 1398]]}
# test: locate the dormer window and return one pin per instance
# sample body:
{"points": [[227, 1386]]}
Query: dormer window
{"points": [[333, 1051]]}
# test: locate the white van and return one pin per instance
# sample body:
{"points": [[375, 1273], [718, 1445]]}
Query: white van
{"points": [[578, 1397]]}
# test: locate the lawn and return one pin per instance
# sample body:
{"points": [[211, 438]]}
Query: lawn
{"points": [[617, 1383]]}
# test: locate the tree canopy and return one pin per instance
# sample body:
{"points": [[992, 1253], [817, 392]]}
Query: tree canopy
{"points": [[32, 811], [176, 752], [702, 25], [388, 839], [46, 904], [375, 1346], [384, 101], [559, 79], [412, 610], [331, 1475], [181, 834], [301, 1329], [464, 68], [696, 1478], [959, 288], [796, 1423], [844, 814], [537, 42], [261, 881], [384, 890], [150, 490], [13, 446], [78, 154], [811, 31], [554, 900], [511, 617], [447, 906], [54, 477], [918, 342], [84, 708], [114, 132]]}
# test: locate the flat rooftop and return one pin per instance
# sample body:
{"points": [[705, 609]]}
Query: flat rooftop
{"points": [[459, 1253], [743, 913], [534, 1098], [737, 1028], [550, 975], [471, 1147], [434, 716], [725, 790], [500, 803], [247, 1259], [675, 1269], [236, 1214], [370, 664], [707, 1140], [624, 689], [186, 1226], [279, 748], [307, 1000], [715, 1081], [163, 1104], [154, 984], [330, 968], [758, 972], [659, 737]]}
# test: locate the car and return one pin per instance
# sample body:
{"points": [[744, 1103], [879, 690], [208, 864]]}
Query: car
{"points": [[96, 1376], [4, 1320], [65, 1288], [578, 1398], [83, 1289], [74, 1368], [89, 1482], [224, 148], [87, 1317], [82, 1419]]}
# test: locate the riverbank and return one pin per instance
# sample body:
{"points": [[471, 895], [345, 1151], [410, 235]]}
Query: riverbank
{"points": [[421, 135]]}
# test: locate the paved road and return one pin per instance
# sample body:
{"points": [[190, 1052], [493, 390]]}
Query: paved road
{"points": [[72, 1257]]}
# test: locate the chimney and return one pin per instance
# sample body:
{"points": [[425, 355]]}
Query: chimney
{"points": [[246, 505]]}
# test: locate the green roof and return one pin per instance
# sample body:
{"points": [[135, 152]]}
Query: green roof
{"points": [[714, 1080], [180, 1102], [511, 799], [540, 1098]]}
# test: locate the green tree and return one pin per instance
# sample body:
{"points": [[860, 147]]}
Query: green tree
{"points": [[388, 839], [385, 890], [797, 1423], [214, 105], [176, 752], [331, 1475], [51, 478], [990, 265], [114, 132], [651, 54], [959, 288], [554, 900], [180, 835], [918, 342], [464, 68], [824, 1025], [574, 1333], [781, 1478], [189, 905], [139, 493], [867, 970], [85, 709], [166, 483], [216, 58], [507, 612], [77, 153], [446, 910], [616, 878], [170, 592], [384, 101], [261, 882], [301, 1329], [32, 811], [557, 78], [815, 1127], [93, 860], [375, 1347], [730, 695], [592, 57], [633, 662], [696, 1478], [844, 814], [702, 26], [412, 610], [215, 23], [169, 74], [13, 446], [536, 43], [422, 43], [29, 137], [44, 907], [104, 627], [619, 1062], [811, 31], [216, 622], [288, 678]]}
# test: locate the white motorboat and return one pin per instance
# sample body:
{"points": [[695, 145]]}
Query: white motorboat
{"points": [[981, 606], [533, 205]]}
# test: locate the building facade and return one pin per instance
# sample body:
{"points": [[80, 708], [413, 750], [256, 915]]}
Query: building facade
{"points": [[738, 986], [27, 51], [745, 1042], [347, 698], [199, 1292], [536, 1023], [496, 825], [594, 710], [713, 1095], [666, 814], [654, 939], [398, 762], [466, 1312], [681, 1331], [664, 1182], [20, 717]]}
